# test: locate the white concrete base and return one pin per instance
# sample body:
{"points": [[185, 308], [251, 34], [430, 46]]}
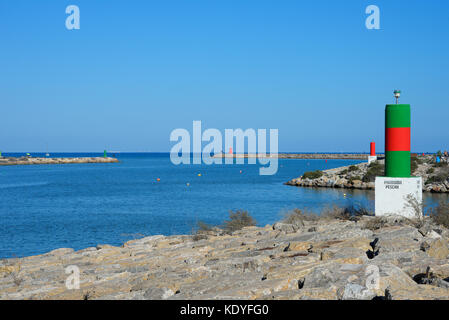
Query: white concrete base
{"points": [[372, 158], [398, 196]]}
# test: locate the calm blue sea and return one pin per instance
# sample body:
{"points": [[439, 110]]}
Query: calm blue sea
{"points": [[44, 207]]}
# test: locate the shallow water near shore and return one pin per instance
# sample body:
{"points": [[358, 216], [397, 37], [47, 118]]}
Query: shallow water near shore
{"points": [[44, 207]]}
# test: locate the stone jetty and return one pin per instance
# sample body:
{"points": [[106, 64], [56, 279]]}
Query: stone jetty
{"points": [[323, 156], [361, 176], [9, 161], [325, 258]]}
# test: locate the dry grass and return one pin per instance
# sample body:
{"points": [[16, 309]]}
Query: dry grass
{"points": [[347, 213], [298, 216], [204, 227], [238, 220], [415, 205], [375, 224], [202, 230], [440, 214]]}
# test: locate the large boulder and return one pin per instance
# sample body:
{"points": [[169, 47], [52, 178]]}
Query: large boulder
{"points": [[439, 249]]}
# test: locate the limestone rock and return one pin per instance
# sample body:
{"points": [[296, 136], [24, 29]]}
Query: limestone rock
{"points": [[324, 259], [439, 249], [353, 291], [287, 228]]}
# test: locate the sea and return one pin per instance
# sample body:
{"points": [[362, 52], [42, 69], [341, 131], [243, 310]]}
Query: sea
{"points": [[45, 207]]}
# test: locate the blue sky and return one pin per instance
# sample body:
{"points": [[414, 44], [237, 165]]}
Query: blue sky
{"points": [[136, 70]]}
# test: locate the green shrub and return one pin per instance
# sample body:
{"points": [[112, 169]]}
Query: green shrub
{"points": [[438, 178], [375, 169], [430, 171], [345, 171], [238, 220], [414, 164], [312, 174], [352, 179], [298, 216], [353, 168]]}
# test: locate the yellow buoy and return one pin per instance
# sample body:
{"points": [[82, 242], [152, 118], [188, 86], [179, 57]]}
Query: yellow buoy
{"points": [[188, 184], [199, 174]]}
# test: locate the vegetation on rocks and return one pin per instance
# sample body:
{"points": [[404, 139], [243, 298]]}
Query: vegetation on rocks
{"points": [[375, 224], [238, 220], [204, 227], [440, 214], [375, 169], [414, 163], [351, 212], [440, 165], [312, 174], [438, 174], [299, 216], [362, 176]]}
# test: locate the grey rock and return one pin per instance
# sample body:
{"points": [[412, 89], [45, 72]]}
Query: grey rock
{"points": [[287, 228], [320, 278], [353, 291]]}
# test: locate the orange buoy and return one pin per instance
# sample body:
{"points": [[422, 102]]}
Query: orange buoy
{"points": [[158, 179]]}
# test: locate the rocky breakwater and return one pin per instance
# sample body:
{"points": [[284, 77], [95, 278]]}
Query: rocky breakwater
{"points": [[322, 156], [363, 258], [350, 177], [9, 161], [362, 176]]}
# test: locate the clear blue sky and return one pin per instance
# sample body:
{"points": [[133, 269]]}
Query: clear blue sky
{"points": [[136, 70]]}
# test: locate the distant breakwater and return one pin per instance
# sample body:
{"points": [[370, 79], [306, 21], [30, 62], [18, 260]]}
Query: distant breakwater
{"points": [[10, 161], [330, 156]]}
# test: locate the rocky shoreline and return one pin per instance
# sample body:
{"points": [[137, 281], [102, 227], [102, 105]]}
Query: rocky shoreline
{"points": [[10, 161], [326, 258], [361, 176]]}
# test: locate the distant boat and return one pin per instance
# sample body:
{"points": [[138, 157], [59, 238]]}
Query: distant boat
{"points": [[47, 154]]}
